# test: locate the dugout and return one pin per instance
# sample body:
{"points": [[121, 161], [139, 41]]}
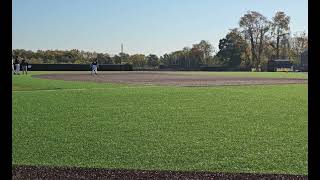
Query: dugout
{"points": [[280, 65]]}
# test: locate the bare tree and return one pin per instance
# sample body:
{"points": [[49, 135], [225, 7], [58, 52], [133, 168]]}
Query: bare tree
{"points": [[299, 43], [279, 31], [255, 26], [206, 49]]}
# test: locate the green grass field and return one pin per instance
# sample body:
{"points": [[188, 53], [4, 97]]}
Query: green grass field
{"points": [[260, 129]]}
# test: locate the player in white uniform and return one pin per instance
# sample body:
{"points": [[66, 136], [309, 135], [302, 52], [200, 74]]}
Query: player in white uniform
{"points": [[13, 67], [17, 65], [94, 67]]}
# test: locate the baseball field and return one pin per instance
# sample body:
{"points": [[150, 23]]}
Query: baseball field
{"points": [[219, 122]]}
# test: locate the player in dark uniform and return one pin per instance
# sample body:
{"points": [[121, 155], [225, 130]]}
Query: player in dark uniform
{"points": [[24, 65]]}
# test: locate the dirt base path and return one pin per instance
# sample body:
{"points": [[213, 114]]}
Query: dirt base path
{"points": [[161, 78], [35, 172]]}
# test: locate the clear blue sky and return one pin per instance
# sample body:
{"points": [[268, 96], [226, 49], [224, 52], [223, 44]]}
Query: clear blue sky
{"points": [[143, 26]]}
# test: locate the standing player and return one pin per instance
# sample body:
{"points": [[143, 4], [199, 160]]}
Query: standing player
{"points": [[17, 65], [13, 67], [94, 67], [24, 65]]}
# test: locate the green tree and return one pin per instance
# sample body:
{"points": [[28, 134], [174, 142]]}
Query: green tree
{"points": [[138, 60], [165, 59], [124, 58], [153, 60], [104, 58], [116, 59], [232, 48]]}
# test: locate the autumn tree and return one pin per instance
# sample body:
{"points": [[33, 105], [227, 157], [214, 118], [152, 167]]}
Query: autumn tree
{"points": [[298, 44], [255, 26], [205, 49], [279, 31]]}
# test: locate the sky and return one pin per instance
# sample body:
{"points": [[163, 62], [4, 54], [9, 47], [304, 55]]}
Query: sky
{"points": [[143, 26]]}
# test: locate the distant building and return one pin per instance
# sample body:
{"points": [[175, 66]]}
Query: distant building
{"points": [[280, 65]]}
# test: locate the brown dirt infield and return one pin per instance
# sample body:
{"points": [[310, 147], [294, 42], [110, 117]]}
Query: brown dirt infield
{"points": [[40, 172], [162, 78]]}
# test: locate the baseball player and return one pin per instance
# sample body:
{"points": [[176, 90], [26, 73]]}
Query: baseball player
{"points": [[13, 67], [94, 67], [17, 65], [24, 65]]}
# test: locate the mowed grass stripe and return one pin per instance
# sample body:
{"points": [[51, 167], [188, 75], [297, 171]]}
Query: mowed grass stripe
{"points": [[229, 129], [85, 89], [29, 83], [298, 75]]}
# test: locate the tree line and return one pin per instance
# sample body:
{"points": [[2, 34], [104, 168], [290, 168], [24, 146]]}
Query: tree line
{"points": [[252, 44]]}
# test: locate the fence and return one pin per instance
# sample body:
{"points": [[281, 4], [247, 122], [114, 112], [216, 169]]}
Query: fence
{"points": [[79, 67]]}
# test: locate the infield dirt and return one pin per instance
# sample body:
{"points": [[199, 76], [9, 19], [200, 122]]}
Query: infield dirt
{"points": [[168, 79], [36, 172]]}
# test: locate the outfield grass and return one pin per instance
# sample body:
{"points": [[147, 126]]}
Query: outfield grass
{"points": [[227, 129], [28, 83]]}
